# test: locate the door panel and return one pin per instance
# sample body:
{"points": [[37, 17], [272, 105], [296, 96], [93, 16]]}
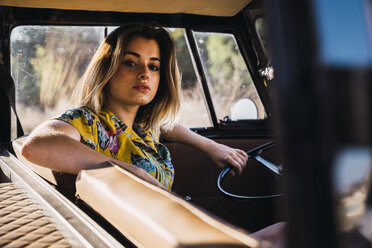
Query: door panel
{"points": [[196, 176]]}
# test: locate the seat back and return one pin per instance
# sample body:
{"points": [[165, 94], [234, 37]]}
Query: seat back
{"points": [[150, 216]]}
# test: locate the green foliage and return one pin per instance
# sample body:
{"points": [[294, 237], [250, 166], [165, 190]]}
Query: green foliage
{"points": [[226, 71], [225, 64]]}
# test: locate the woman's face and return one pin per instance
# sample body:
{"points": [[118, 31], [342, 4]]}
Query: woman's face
{"points": [[136, 81]]}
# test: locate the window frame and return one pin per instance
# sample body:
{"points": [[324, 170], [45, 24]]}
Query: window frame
{"points": [[249, 56], [247, 63]]}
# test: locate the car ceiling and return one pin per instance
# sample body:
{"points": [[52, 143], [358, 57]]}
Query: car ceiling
{"points": [[199, 7]]}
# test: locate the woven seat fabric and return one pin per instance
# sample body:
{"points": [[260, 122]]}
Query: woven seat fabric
{"points": [[23, 223]]}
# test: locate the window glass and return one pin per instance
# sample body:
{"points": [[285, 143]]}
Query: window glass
{"points": [[261, 29], [48, 61], [227, 75], [194, 111]]}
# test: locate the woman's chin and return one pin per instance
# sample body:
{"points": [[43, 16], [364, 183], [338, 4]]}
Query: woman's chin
{"points": [[144, 101]]}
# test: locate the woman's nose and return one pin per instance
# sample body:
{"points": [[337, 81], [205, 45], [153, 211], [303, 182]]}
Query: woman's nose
{"points": [[143, 72]]}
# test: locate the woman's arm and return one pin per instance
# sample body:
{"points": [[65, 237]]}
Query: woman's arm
{"points": [[222, 155], [56, 144]]}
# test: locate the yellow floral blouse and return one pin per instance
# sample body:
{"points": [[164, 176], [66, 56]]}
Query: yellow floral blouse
{"points": [[107, 134]]}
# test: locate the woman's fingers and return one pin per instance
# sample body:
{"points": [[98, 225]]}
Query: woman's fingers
{"points": [[224, 155], [243, 158], [243, 153], [238, 161]]}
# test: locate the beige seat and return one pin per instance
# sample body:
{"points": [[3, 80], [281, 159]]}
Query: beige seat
{"points": [[150, 216], [63, 181]]}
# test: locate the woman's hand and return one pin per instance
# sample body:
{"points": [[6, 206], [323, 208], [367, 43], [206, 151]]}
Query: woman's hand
{"points": [[224, 156]]}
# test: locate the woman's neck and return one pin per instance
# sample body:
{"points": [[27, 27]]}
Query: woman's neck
{"points": [[126, 114]]}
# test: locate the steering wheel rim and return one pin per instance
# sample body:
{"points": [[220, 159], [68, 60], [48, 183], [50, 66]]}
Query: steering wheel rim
{"points": [[255, 154]]}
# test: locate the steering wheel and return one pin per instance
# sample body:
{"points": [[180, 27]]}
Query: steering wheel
{"points": [[255, 154]]}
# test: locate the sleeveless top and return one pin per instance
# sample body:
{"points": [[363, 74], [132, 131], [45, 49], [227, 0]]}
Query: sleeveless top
{"points": [[107, 134]]}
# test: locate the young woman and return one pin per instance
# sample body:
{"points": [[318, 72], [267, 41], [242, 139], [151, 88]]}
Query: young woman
{"points": [[127, 96]]}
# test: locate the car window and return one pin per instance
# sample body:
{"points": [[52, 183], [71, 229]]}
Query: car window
{"points": [[194, 111], [227, 75], [46, 64], [48, 61], [261, 29]]}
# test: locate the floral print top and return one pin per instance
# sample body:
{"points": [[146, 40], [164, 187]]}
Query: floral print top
{"points": [[107, 134]]}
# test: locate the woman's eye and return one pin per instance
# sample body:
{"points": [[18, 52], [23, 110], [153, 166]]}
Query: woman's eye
{"points": [[154, 68], [129, 63]]}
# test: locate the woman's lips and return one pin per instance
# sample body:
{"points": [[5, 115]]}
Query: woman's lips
{"points": [[142, 87]]}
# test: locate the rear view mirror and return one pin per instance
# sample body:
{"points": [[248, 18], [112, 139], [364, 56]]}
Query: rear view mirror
{"points": [[244, 109]]}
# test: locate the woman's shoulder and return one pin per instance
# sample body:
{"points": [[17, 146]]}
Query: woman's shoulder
{"points": [[82, 113]]}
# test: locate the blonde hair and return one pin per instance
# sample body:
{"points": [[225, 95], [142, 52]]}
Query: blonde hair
{"points": [[162, 111]]}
